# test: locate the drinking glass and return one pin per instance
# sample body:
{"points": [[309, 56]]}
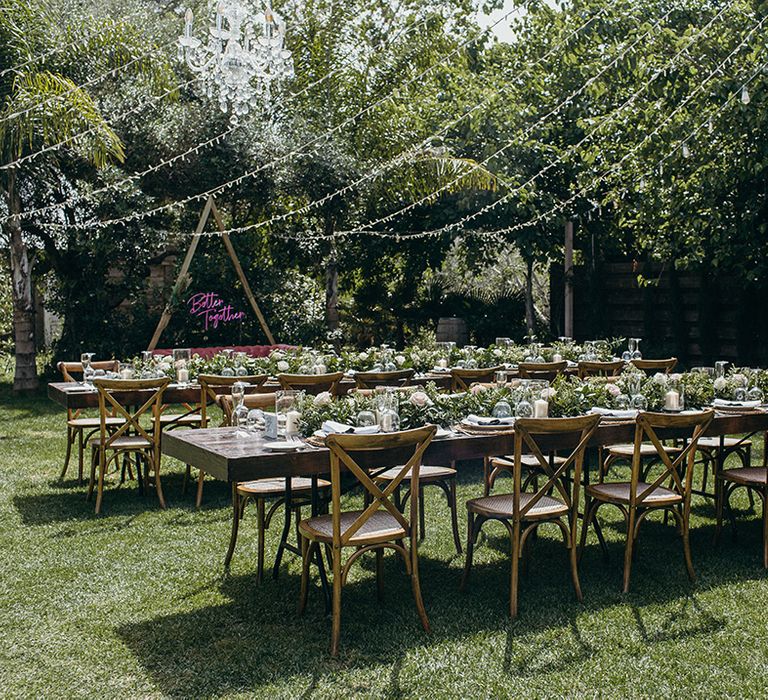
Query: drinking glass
{"points": [[255, 425], [240, 369], [125, 370], [502, 409], [365, 419], [288, 416], [85, 360], [636, 354], [720, 367], [756, 394], [524, 407], [503, 342], [500, 377], [639, 402]]}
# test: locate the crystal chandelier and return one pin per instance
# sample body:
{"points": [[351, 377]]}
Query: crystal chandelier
{"points": [[243, 55]]}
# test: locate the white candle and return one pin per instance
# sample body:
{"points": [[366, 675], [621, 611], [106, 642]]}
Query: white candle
{"points": [[557, 357], [183, 375], [126, 373], [443, 363], [320, 369], [385, 422], [672, 400], [540, 408], [292, 419]]}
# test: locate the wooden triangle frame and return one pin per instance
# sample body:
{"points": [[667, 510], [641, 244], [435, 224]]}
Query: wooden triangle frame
{"points": [[182, 280]]}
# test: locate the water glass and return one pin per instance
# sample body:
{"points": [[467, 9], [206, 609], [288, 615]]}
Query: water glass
{"points": [[365, 419], [500, 377], [502, 409], [636, 354], [255, 425], [288, 415], [720, 367]]}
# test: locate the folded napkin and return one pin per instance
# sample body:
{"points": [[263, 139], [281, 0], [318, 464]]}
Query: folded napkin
{"points": [[440, 369], [735, 404], [472, 419], [331, 426], [614, 413]]}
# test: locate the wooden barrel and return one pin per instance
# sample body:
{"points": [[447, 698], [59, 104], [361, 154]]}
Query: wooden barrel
{"points": [[451, 329]]}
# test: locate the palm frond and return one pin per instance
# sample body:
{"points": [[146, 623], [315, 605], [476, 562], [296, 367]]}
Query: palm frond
{"points": [[47, 108]]}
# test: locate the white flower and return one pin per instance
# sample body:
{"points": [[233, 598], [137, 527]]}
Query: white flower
{"points": [[675, 377], [548, 393], [165, 366], [720, 383], [613, 390], [399, 359], [420, 399], [497, 352], [322, 399], [277, 354], [363, 356], [660, 379], [283, 366], [739, 379]]}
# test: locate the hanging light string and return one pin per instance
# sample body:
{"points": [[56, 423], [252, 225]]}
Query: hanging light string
{"points": [[74, 198], [405, 155], [64, 47], [616, 167], [299, 149], [153, 101], [92, 81], [401, 236], [506, 197]]}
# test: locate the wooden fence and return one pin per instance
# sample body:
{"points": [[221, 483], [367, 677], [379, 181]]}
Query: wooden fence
{"points": [[696, 315]]}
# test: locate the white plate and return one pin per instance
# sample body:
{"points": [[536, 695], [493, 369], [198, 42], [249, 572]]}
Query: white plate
{"points": [[282, 446], [442, 433]]}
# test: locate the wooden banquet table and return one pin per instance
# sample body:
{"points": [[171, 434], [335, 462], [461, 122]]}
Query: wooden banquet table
{"points": [[230, 458]]}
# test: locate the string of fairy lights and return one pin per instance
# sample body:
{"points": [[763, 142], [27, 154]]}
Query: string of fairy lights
{"points": [[369, 228], [181, 156], [507, 145], [304, 147]]}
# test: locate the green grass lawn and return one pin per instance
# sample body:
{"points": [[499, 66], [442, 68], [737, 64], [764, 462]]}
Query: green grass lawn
{"points": [[134, 603]]}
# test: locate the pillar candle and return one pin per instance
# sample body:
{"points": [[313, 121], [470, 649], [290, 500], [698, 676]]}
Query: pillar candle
{"points": [[540, 408]]}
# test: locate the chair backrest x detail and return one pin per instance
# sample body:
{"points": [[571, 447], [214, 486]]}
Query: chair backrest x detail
{"points": [[312, 384], [674, 467], [528, 432], [148, 391], [370, 380], [665, 365], [597, 368], [343, 446], [463, 378], [213, 385], [250, 401], [541, 370]]}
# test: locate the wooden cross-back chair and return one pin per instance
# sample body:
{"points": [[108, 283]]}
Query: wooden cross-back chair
{"points": [[378, 527], [81, 428], [312, 384], [665, 365], [211, 387], [264, 492], [370, 380], [462, 378], [548, 371], [555, 501], [131, 438], [611, 368], [755, 480], [669, 492]]}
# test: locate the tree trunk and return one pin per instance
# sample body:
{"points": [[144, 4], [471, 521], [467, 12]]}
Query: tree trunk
{"points": [[530, 314], [25, 378], [331, 282]]}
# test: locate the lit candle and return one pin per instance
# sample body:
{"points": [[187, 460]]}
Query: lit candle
{"points": [[126, 373], [292, 419], [557, 357], [385, 421], [442, 363], [183, 375], [540, 408], [672, 400]]}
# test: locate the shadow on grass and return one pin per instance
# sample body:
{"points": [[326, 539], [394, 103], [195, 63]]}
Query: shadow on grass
{"points": [[258, 638], [69, 502]]}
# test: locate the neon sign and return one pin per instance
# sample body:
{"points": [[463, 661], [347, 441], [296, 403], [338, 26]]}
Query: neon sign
{"points": [[213, 309]]}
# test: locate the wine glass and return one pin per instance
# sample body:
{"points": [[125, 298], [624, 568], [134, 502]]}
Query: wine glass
{"points": [[255, 425], [85, 361], [500, 377], [636, 354]]}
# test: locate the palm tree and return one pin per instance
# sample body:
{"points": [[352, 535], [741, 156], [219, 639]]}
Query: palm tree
{"points": [[42, 105]]}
